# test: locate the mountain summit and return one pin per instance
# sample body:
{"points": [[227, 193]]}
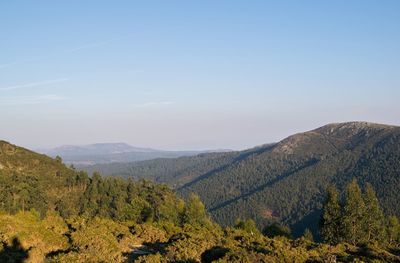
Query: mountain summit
{"points": [[285, 181]]}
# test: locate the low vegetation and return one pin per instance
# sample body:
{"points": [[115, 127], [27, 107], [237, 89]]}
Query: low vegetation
{"points": [[286, 181], [51, 213]]}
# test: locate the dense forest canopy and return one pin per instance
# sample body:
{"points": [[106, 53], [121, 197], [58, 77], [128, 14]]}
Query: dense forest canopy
{"points": [[286, 181], [58, 214]]}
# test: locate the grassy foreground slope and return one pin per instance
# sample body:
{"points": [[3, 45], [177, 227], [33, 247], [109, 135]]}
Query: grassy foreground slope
{"points": [[27, 238], [50, 213]]}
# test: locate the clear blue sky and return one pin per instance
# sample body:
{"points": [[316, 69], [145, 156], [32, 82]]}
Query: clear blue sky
{"points": [[194, 74]]}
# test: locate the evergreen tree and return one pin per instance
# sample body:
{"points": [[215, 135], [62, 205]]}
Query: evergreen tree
{"points": [[393, 231], [354, 215], [247, 225], [132, 190], [308, 235], [23, 195], [90, 204], [374, 218], [82, 179], [118, 203], [330, 224], [58, 159], [195, 212], [277, 229]]}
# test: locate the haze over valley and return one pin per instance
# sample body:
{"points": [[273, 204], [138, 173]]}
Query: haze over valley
{"points": [[199, 131], [83, 155]]}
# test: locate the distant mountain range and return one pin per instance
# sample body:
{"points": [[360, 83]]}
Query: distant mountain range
{"points": [[82, 155], [285, 181], [96, 149], [105, 218]]}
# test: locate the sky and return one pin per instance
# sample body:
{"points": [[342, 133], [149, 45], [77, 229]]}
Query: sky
{"points": [[189, 75]]}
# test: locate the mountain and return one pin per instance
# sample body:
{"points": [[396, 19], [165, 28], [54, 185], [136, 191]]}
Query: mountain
{"points": [[172, 171], [96, 149], [286, 181], [52, 213], [110, 152], [175, 172], [30, 179], [18, 161]]}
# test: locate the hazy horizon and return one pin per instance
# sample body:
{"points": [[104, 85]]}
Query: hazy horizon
{"points": [[50, 147], [181, 75]]}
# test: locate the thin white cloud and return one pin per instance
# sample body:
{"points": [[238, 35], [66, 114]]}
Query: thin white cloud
{"points": [[90, 45], [95, 44], [6, 65], [84, 46], [74, 49], [35, 84], [153, 104], [30, 100]]}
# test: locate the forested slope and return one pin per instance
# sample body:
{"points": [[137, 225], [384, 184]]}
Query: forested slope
{"points": [[285, 181], [29, 180], [174, 172], [51, 213]]}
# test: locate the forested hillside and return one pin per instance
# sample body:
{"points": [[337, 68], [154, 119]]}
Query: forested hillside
{"points": [[51, 213], [31, 180], [34, 181], [286, 181], [174, 172]]}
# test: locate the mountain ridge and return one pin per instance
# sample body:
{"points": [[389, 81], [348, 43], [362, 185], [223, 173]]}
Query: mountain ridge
{"points": [[95, 148], [301, 156], [52, 213], [286, 181], [82, 155]]}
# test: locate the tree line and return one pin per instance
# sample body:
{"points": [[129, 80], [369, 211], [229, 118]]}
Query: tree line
{"points": [[357, 218]]}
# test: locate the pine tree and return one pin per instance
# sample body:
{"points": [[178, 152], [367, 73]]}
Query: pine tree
{"points": [[330, 223], [374, 218], [393, 231], [247, 225], [277, 229], [195, 212], [354, 215], [308, 235], [82, 179], [132, 190], [90, 204]]}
